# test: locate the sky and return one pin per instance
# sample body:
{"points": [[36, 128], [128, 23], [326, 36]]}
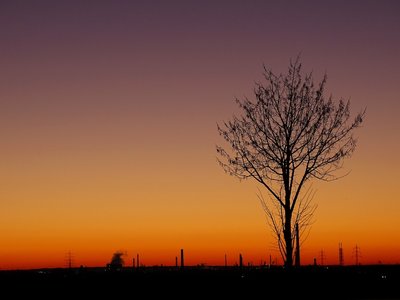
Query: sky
{"points": [[108, 128]]}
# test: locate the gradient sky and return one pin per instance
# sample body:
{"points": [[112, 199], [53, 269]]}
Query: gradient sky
{"points": [[108, 113]]}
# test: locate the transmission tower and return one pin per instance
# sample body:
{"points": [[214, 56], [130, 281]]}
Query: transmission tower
{"points": [[322, 256], [69, 259], [357, 254]]}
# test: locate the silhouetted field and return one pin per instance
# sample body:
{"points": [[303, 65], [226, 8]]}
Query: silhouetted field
{"points": [[362, 282]]}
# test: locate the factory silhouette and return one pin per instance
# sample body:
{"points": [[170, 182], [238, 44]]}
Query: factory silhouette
{"points": [[117, 262]]}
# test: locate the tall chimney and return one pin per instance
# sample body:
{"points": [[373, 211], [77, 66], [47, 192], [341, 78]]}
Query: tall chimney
{"points": [[226, 261], [297, 252], [182, 259], [240, 260], [341, 260]]}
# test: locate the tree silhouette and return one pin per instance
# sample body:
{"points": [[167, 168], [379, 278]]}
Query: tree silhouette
{"points": [[290, 134]]}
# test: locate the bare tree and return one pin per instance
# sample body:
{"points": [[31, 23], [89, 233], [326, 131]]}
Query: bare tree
{"points": [[290, 134]]}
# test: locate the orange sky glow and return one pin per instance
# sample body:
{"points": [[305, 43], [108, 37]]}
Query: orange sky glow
{"points": [[108, 117]]}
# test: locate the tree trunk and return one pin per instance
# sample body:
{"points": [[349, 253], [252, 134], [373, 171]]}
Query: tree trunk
{"points": [[288, 238]]}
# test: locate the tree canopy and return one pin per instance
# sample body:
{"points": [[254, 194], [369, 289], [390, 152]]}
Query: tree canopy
{"points": [[290, 133]]}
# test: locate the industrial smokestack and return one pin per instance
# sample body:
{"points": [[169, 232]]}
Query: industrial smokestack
{"points": [[182, 259], [341, 259], [117, 258], [297, 251], [117, 261], [240, 260]]}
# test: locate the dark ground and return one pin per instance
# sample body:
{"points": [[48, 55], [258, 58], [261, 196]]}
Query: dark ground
{"points": [[361, 282]]}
